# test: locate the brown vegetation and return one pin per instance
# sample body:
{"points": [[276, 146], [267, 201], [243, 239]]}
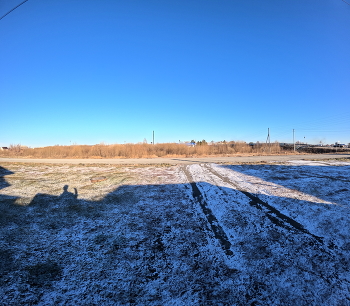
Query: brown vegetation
{"points": [[141, 150]]}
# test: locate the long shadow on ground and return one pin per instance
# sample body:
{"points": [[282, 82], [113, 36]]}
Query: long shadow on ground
{"points": [[311, 180], [157, 245]]}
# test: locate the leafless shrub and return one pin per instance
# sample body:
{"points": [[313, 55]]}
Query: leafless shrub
{"points": [[142, 150], [15, 148]]}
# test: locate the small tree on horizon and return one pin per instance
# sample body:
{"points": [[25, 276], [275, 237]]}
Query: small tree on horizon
{"points": [[202, 143]]}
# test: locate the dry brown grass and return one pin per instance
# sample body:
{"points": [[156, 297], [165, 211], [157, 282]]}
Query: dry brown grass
{"points": [[142, 150]]}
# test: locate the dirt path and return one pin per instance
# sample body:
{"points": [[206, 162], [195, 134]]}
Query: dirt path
{"points": [[195, 160]]}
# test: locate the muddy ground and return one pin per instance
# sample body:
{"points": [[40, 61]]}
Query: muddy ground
{"points": [[200, 234]]}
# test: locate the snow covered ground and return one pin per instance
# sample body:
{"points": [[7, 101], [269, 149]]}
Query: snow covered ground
{"points": [[201, 234]]}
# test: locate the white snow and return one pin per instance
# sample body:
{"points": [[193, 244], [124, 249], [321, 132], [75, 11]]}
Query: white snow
{"points": [[141, 238]]}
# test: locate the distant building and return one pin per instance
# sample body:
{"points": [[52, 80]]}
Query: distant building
{"points": [[4, 148], [190, 144]]}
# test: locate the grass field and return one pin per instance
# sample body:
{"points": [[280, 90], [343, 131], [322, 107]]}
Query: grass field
{"points": [[201, 234], [141, 150]]}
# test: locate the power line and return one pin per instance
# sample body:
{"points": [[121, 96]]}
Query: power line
{"points": [[13, 9], [346, 2]]}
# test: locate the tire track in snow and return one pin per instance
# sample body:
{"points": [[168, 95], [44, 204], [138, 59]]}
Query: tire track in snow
{"points": [[282, 220], [272, 213], [216, 228]]}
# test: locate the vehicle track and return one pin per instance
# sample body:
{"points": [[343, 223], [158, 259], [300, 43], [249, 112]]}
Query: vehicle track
{"points": [[281, 220], [276, 217], [272, 213], [215, 226]]}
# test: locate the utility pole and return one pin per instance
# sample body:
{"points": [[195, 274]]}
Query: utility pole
{"points": [[268, 139], [293, 141], [153, 137]]}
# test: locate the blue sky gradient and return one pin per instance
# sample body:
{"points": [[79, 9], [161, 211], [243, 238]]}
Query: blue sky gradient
{"points": [[88, 71]]}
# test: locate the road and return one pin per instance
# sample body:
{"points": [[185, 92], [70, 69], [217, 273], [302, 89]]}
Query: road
{"points": [[195, 160]]}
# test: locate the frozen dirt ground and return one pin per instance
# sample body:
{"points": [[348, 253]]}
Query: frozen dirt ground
{"points": [[200, 234]]}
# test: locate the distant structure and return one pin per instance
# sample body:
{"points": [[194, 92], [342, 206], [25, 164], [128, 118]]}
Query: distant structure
{"points": [[188, 143], [4, 148], [339, 145]]}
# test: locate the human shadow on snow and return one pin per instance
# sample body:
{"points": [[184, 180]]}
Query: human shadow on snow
{"points": [[163, 227], [3, 184], [68, 205], [3, 173]]}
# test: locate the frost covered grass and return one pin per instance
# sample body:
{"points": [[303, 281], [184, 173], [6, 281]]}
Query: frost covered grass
{"points": [[146, 236]]}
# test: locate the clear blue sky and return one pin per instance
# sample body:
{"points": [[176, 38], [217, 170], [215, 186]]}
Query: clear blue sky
{"points": [[113, 71]]}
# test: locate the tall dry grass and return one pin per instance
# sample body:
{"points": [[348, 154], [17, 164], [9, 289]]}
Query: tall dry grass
{"points": [[141, 150]]}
